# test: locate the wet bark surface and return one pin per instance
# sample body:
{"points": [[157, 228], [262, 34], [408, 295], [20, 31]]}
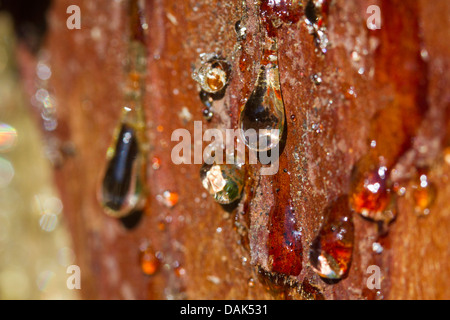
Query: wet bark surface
{"points": [[388, 85]]}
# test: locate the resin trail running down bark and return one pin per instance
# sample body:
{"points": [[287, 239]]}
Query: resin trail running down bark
{"points": [[285, 245], [123, 190]]}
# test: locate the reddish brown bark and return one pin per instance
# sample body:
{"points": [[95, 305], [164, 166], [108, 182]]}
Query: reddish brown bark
{"points": [[388, 85]]}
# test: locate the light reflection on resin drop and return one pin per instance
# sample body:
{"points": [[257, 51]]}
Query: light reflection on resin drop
{"points": [[122, 186], [331, 251], [223, 181], [262, 118]]}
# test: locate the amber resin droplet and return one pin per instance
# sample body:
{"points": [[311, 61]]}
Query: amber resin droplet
{"points": [[274, 13], [148, 261], [213, 75], [223, 181], [169, 199], [251, 283], [263, 118], [424, 196], [331, 252], [370, 195]]}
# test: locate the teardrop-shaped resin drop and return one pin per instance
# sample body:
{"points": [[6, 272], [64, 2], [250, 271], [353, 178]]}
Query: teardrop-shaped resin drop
{"points": [[223, 181], [149, 260], [262, 117], [331, 251], [424, 194], [123, 188], [370, 194]]}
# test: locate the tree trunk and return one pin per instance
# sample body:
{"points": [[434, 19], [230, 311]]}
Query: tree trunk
{"points": [[362, 88]]}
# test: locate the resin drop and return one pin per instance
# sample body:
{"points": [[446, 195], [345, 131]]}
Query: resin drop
{"points": [[316, 14], [148, 261], [179, 271], [424, 196], [331, 251], [213, 75], [169, 199], [223, 181], [262, 118], [241, 30], [274, 13], [251, 283], [370, 195], [123, 185], [206, 98], [311, 12], [156, 163], [207, 114]]}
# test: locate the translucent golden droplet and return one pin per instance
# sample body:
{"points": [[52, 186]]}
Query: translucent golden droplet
{"points": [[149, 262], [370, 195], [161, 226], [424, 196], [213, 74], [156, 163], [169, 199], [447, 155], [331, 251], [179, 271]]}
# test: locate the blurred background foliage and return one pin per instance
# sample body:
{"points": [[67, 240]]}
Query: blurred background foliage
{"points": [[35, 247]]}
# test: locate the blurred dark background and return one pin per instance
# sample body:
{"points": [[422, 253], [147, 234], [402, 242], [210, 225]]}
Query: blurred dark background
{"points": [[30, 22]]}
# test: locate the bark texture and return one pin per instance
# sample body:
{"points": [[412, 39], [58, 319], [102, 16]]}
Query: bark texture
{"points": [[389, 85]]}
